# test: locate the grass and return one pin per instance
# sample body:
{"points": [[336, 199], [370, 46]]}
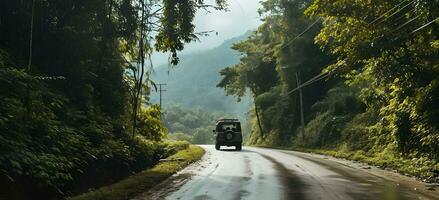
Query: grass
{"points": [[420, 166], [145, 180]]}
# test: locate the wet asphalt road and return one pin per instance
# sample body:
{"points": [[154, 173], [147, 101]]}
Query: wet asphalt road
{"points": [[259, 173]]}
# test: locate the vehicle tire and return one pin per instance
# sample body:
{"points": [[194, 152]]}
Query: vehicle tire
{"points": [[217, 146], [238, 147]]}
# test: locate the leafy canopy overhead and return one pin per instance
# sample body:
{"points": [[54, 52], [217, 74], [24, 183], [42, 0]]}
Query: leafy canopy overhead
{"points": [[390, 49]]}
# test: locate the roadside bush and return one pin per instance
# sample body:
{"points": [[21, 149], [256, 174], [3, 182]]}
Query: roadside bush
{"points": [[203, 136], [172, 147], [331, 116], [179, 136], [51, 148]]}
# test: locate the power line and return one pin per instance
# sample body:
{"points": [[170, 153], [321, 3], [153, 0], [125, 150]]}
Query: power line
{"points": [[406, 23], [402, 16], [383, 15], [31, 35], [309, 82], [370, 23], [306, 30], [398, 18], [425, 25], [326, 74], [396, 12], [315, 79]]}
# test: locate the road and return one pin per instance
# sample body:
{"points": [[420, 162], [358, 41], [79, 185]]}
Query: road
{"points": [[266, 174]]}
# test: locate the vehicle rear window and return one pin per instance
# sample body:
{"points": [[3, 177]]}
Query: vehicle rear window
{"points": [[229, 126]]}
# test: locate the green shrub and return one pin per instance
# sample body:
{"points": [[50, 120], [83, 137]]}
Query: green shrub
{"points": [[172, 147], [140, 182], [45, 139], [179, 136], [203, 136]]}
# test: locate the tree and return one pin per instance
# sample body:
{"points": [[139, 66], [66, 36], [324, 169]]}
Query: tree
{"points": [[69, 103], [397, 71], [271, 57]]}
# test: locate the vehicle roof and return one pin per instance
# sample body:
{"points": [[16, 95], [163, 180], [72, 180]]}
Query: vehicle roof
{"points": [[227, 120]]}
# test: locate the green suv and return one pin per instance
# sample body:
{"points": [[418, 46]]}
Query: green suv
{"points": [[228, 133]]}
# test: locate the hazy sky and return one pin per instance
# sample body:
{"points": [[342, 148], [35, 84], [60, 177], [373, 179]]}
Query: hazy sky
{"points": [[241, 17]]}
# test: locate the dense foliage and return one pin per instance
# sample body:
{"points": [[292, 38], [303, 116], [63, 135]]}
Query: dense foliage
{"points": [[191, 124], [268, 67], [397, 72], [74, 86], [381, 94]]}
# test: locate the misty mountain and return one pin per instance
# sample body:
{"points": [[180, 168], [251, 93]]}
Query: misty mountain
{"points": [[192, 83]]}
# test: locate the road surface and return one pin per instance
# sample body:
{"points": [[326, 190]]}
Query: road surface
{"points": [[266, 174]]}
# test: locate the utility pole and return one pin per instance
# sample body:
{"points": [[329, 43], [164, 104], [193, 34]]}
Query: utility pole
{"points": [[160, 91], [301, 105]]}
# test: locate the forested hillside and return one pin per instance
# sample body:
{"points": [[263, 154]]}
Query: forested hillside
{"points": [[368, 72], [192, 82], [74, 87], [191, 124], [194, 124]]}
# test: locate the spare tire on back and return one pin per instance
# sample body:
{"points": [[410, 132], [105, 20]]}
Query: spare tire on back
{"points": [[228, 135]]}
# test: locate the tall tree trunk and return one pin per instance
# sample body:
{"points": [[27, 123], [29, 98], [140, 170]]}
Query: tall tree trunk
{"points": [[258, 119], [141, 71]]}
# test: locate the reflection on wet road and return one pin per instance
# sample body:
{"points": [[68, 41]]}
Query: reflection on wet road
{"points": [[258, 173]]}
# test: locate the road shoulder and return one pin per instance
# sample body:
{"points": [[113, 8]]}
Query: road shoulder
{"points": [[138, 183], [174, 182], [356, 170]]}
